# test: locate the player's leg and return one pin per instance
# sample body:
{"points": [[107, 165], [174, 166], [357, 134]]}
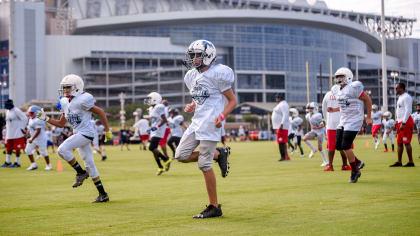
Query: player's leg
{"points": [[9, 150], [400, 146], [171, 144], [154, 148], [299, 144], [384, 138], [19, 144], [392, 139], [346, 145], [44, 152], [29, 150], [309, 136], [331, 149], [320, 139]]}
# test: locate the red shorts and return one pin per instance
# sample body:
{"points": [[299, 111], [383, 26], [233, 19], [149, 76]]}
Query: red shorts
{"points": [[331, 139], [375, 129], [144, 137], [404, 136], [164, 140], [15, 144], [282, 135]]}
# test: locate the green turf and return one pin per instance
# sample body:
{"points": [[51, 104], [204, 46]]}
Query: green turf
{"points": [[261, 196]]}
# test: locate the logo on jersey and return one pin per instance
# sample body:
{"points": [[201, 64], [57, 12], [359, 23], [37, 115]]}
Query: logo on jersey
{"points": [[74, 119], [199, 94], [343, 102]]}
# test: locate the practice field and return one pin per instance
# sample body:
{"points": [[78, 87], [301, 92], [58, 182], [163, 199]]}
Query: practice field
{"points": [[261, 196]]}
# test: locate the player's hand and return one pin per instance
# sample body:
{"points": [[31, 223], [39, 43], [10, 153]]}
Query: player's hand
{"points": [[30, 140], [153, 129], [368, 121], [218, 121], [108, 135], [42, 116], [190, 107], [281, 126]]}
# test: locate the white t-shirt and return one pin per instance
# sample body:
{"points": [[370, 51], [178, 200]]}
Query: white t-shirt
{"points": [[34, 124], [94, 125], [142, 126], [295, 123], [207, 90], [280, 115], [351, 107], [16, 121], [416, 118], [78, 115], [388, 125], [404, 108], [376, 117], [316, 122], [155, 119], [333, 118], [175, 125]]}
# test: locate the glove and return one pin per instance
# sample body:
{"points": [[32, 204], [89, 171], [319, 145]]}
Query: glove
{"points": [[153, 129], [108, 135], [58, 104], [42, 116]]}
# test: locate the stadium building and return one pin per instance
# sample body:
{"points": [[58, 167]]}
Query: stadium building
{"points": [[137, 46]]}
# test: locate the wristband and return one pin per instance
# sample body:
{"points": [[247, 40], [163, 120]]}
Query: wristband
{"points": [[221, 117]]}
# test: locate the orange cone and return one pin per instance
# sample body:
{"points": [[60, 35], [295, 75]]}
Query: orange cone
{"points": [[367, 144], [59, 166]]}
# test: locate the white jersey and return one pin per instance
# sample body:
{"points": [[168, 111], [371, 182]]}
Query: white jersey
{"points": [[206, 90], [376, 118], [155, 118], [280, 115], [100, 129], [351, 107], [48, 133], [404, 108], [142, 126], [295, 123], [316, 122], [16, 121], [290, 130], [57, 131], [175, 125], [333, 118], [388, 125], [94, 125], [416, 118], [78, 115], [35, 124]]}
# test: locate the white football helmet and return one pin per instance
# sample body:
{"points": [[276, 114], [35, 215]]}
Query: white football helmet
{"points": [[153, 98], [343, 76], [374, 107], [203, 47], [294, 112], [312, 107], [387, 114], [73, 81]]}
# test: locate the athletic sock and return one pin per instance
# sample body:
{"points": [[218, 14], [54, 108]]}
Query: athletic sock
{"points": [[392, 145], [157, 159], [8, 158], [78, 168], [100, 187], [354, 166], [163, 157], [386, 146], [17, 160]]}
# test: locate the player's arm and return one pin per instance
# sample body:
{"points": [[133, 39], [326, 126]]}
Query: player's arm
{"points": [[407, 108], [368, 104], [102, 116], [284, 118], [61, 122], [36, 134], [190, 107], [163, 120], [231, 99]]}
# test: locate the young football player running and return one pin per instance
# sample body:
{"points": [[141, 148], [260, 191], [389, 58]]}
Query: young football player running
{"points": [[296, 124], [176, 124], [388, 124], [38, 138], [77, 107], [376, 124], [352, 100], [208, 84], [317, 131]]}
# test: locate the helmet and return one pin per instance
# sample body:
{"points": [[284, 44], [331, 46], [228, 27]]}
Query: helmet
{"points": [[294, 112], [174, 111], [8, 104], [33, 110], [312, 106], [387, 114], [203, 47], [346, 72], [73, 81], [374, 107], [153, 99]]}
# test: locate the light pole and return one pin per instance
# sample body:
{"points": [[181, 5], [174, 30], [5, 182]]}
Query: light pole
{"points": [[394, 74], [383, 53], [3, 83], [122, 111]]}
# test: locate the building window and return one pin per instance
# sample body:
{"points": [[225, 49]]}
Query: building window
{"points": [[274, 81], [249, 81]]}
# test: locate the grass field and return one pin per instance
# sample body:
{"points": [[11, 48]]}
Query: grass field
{"points": [[261, 196]]}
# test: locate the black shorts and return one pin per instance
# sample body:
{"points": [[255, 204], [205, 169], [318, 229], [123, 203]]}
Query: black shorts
{"points": [[175, 140], [154, 143], [291, 136], [344, 139]]}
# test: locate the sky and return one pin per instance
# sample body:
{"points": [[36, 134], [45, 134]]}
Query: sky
{"points": [[405, 8]]}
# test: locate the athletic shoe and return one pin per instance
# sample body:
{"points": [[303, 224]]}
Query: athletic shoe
{"points": [[323, 164], [104, 158], [360, 164], [386, 150], [160, 171], [167, 164], [311, 154], [376, 145], [346, 167], [223, 161], [396, 164], [209, 212], [355, 175], [48, 167], [302, 155], [33, 166], [80, 178], [329, 168], [409, 164], [7, 165], [15, 165], [101, 198]]}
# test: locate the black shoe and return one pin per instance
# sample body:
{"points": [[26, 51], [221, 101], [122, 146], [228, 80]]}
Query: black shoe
{"points": [[360, 164], [355, 175], [209, 212], [409, 164], [101, 198], [396, 164], [7, 165], [223, 161], [104, 158], [80, 178], [15, 165]]}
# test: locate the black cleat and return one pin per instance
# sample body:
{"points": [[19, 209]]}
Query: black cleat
{"points": [[409, 164], [80, 178], [355, 175], [396, 164], [223, 161], [210, 212], [360, 164], [7, 165], [15, 165], [104, 158], [102, 198]]}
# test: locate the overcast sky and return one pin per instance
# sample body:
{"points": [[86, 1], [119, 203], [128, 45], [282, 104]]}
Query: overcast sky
{"points": [[405, 8]]}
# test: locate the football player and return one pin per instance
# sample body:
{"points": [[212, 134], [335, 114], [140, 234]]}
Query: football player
{"points": [[376, 124], [280, 120], [388, 124], [296, 125], [317, 131], [176, 124]]}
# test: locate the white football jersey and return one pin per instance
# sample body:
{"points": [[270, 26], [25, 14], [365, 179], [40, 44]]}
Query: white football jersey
{"points": [[16, 121], [388, 125], [155, 118], [295, 123], [351, 107], [333, 118], [404, 107], [35, 124], [206, 90], [316, 121], [290, 130], [57, 131], [416, 118], [48, 133], [175, 125], [142, 126], [376, 117], [78, 115], [280, 115]]}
